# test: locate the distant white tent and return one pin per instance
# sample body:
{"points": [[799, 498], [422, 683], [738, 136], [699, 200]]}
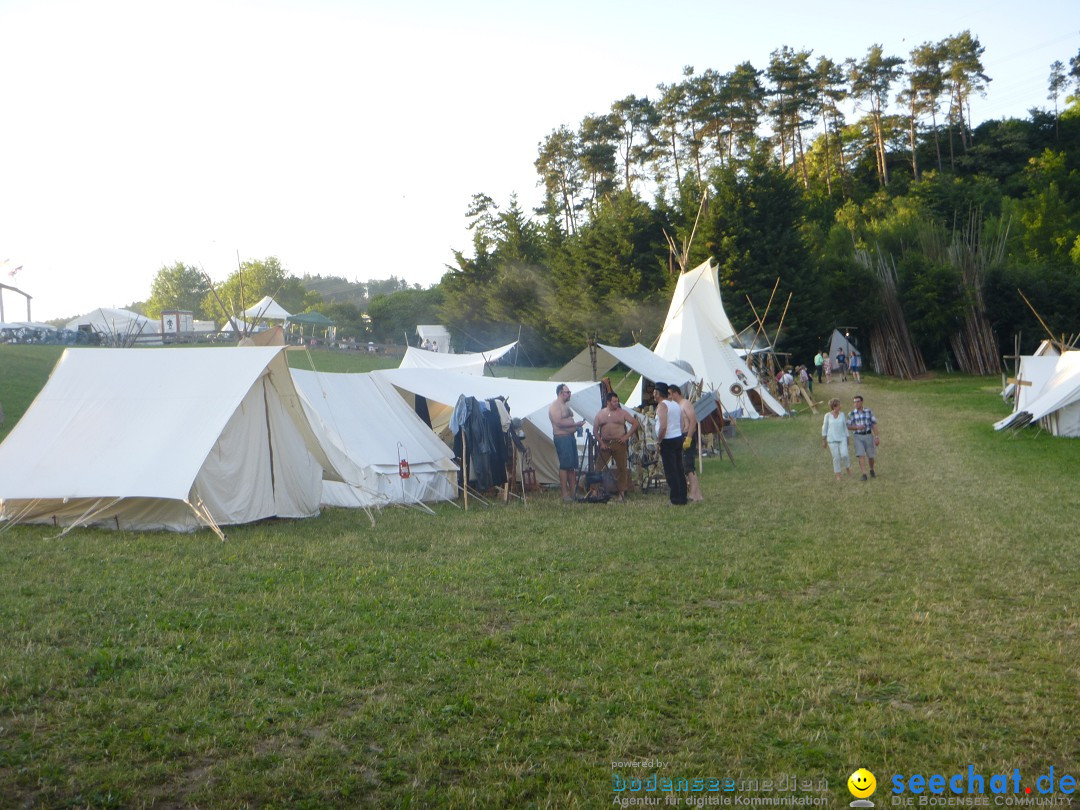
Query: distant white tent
{"points": [[436, 334], [527, 400], [165, 439], [472, 363], [698, 331], [238, 324], [369, 421], [266, 310], [1052, 400], [837, 342], [116, 325]]}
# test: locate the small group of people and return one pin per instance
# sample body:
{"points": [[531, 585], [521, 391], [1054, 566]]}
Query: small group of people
{"points": [[863, 426], [842, 364], [429, 345], [614, 426]]}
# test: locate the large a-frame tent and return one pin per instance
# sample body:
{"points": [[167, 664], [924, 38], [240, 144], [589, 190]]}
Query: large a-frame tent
{"points": [[698, 331], [165, 439], [369, 422]]}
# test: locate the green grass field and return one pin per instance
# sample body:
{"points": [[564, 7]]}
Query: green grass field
{"points": [[510, 656]]}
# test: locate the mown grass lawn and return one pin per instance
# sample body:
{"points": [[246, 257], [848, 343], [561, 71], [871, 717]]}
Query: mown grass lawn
{"points": [[506, 657]]}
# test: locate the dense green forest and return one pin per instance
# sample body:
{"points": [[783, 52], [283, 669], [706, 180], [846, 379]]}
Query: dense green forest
{"points": [[852, 193]]}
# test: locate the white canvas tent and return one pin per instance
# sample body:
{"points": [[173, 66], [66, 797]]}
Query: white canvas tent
{"points": [[266, 310], [165, 439], [698, 331], [437, 334], [472, 363], [1055, 403], [369, 421], [117, 325], [527, 399], [838, 342], [1046, 348]]}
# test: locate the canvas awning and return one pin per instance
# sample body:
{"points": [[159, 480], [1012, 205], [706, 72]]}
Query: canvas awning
{"points": [[638, 358], [472, 363]]}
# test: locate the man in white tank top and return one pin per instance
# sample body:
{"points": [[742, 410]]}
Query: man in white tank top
{"points": [[669, 433]]}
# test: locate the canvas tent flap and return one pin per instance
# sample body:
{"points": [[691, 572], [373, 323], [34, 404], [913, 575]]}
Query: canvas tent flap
{"points": [[638, 358], [472, 363], [370, 423]]}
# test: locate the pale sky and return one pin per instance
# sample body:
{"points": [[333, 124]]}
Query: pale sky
{"points": [[347, 138]]}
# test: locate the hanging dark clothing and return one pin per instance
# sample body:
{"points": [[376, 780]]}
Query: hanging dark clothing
{"points": [[479, 424]]}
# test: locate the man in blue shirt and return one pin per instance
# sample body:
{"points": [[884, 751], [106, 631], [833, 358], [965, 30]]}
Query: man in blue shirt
{"points": [[863, 425]]}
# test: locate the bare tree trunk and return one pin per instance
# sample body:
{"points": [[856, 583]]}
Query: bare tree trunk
{"points": [[828, 157], [911, 136], [937, 135]]}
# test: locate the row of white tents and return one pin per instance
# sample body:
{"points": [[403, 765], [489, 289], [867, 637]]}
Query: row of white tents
{"points": [[256, 440], [179, 438]]}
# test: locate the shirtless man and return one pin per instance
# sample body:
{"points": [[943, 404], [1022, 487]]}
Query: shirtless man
{"points": [[563, 427], [614, 439], [689, 428]]}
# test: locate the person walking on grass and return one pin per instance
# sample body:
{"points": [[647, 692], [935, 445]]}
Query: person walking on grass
{"points": [[819, 362], [855, 364], [826, 364], [834, 437], [841, 365], [863, 425]]}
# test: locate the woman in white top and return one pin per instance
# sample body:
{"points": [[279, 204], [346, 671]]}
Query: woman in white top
{"points": [[834, 435]]}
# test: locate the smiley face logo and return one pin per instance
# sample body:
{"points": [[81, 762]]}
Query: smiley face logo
{"points": [[861, 783]]}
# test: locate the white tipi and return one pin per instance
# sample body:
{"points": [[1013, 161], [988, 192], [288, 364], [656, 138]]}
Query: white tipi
{"points": [[698, 331]]}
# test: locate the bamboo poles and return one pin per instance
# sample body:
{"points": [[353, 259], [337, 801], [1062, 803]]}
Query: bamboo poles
{"points": [[895, 353], [973, 255]]}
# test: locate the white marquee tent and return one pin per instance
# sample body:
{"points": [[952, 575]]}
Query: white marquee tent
{"points": [[369, 421], [116, 324], [165, 439], [266, 310], [698, 331], [527, 400], [472, 363]]}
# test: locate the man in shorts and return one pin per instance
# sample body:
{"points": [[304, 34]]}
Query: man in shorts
{"points": [[863, 425], [563, 428], [613, 439]]}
